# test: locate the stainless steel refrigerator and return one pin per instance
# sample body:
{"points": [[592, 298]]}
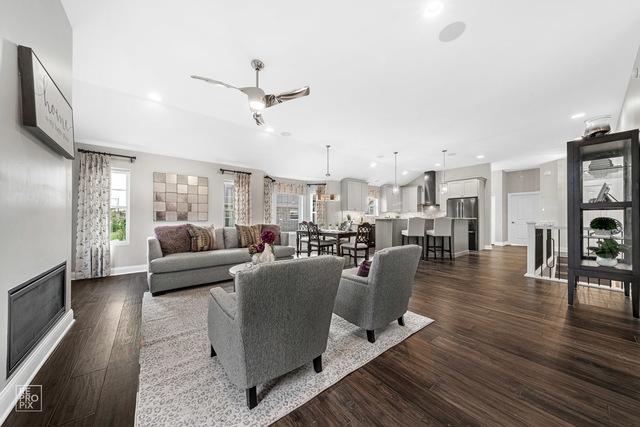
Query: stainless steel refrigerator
{"points": [[466, 207]]}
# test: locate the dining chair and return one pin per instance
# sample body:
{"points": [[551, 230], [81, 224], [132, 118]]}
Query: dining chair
{"points": [[442, 227], [302, 236], [322, 245], [361, 243]]}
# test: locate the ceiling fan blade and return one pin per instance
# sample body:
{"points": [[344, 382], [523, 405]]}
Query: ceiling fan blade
{"points": [[258, 118], [271, 100], [215, 82]]}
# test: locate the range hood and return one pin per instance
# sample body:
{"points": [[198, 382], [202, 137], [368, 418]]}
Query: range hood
{"points": [[430, 189]]}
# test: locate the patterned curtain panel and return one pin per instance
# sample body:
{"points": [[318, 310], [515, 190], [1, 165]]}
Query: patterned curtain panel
{"points": [[268, 198], [242, 205], [291, 188], [321, 206], [92, 234]]}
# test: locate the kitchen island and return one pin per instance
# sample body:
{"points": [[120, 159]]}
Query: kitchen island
{"points": [[389, 233]]}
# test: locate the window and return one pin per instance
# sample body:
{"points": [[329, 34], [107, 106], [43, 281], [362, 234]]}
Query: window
{"points": [[314, 207], [372, 206], [119, 206], [229, 204], [288, 211]]}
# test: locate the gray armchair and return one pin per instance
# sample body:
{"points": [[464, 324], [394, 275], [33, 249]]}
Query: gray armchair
{"points": [[375, 301], [277, 320]]}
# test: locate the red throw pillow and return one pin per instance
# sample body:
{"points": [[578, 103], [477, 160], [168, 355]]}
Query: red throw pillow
{"points": [[173, 238], [363, 270], [273, 228]]}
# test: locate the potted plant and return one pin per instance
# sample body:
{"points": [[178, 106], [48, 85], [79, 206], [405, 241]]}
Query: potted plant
{"points": [[607, 253], [604, 227]]}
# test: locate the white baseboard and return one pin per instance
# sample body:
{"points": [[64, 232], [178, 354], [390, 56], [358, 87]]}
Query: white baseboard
{"points": [[128, 269], [501, 243], [30, 367], [488, 247]]}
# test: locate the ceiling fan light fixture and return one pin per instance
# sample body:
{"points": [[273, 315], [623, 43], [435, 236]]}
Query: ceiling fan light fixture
{"points": [[257, 104]]}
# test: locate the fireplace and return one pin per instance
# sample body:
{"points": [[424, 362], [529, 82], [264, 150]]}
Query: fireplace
{"points": [[34, 308]]}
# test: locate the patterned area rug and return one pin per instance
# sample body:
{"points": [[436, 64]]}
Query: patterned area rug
{"points": [[180, 385]]}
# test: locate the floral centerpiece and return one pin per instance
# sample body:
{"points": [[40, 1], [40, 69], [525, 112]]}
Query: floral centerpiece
{"points": [[263, 251]]}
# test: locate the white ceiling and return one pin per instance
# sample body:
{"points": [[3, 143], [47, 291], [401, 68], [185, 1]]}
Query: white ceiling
{"points": [[380, 80]]}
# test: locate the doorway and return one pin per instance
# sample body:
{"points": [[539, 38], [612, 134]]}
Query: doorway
{"points": [[522, 208]]}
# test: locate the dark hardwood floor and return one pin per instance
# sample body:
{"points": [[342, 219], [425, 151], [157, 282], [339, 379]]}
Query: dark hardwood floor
{"points": [[504, 350]]}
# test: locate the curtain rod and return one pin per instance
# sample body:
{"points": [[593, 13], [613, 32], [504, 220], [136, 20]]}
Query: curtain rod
{"points": [[319, 183], [232, 171], [268, 177], [131, 158]]}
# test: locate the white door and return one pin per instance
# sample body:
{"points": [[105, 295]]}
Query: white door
{"points": [[523, 208]]}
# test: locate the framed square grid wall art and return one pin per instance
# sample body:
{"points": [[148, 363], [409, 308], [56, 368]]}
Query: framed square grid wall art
{"points": [[180, 197]]}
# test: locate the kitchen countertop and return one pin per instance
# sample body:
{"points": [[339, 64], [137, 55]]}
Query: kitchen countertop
{"points": [[467, 218]]}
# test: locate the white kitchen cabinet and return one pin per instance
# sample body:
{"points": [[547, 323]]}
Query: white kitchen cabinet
{"points": [[463, 188], [390, 201], [411, 198], [353, 196], [470, 188], [455, 189]]}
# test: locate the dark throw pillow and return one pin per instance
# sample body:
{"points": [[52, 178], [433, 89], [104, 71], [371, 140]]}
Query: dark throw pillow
{"points": [[363, 270], [202, 238], [173, 238]]}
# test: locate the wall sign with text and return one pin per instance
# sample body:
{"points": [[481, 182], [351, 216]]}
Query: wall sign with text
{"points": [[45, 111]]}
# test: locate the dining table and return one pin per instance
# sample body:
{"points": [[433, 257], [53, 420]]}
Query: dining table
{"points": [[324, 233]]}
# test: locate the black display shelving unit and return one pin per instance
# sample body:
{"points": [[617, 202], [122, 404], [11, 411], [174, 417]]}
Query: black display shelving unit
{"points": [[603, 180]]}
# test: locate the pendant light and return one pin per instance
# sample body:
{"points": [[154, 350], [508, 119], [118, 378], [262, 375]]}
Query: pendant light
{"points": [[327, 174], [396, 189], [443, 186], [330, 193]]}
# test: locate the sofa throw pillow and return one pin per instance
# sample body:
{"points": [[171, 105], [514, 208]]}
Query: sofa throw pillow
{"points": [[173, 238], [202, 238], [363, 270], [248, 235], [274, 228]]}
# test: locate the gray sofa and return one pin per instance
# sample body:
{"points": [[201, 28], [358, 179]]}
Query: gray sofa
{"points": [[181, 270], [375, 301], [277, 321]]}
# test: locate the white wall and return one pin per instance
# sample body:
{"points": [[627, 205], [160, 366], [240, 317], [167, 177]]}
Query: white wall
{"points": [[141, 222], [630, 113], [35, 182], [499, 206]]}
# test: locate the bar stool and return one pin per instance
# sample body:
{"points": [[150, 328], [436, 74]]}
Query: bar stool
{"points": [[441, 228], [415, 228]]}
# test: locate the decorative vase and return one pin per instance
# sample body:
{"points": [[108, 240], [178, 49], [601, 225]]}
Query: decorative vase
{"points": [[266, 255], [606, 262]]}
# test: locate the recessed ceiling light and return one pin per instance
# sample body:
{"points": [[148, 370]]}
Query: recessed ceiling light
{"points": [[154, 96], [286, 133], [434, 8], [405, 172], [373, 164], [437, 164], [269, 129], [379, 156], [578, 115], [480, 156]]}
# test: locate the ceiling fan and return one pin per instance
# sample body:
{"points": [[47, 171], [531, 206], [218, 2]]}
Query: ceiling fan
{"points": [[258, 100]]}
